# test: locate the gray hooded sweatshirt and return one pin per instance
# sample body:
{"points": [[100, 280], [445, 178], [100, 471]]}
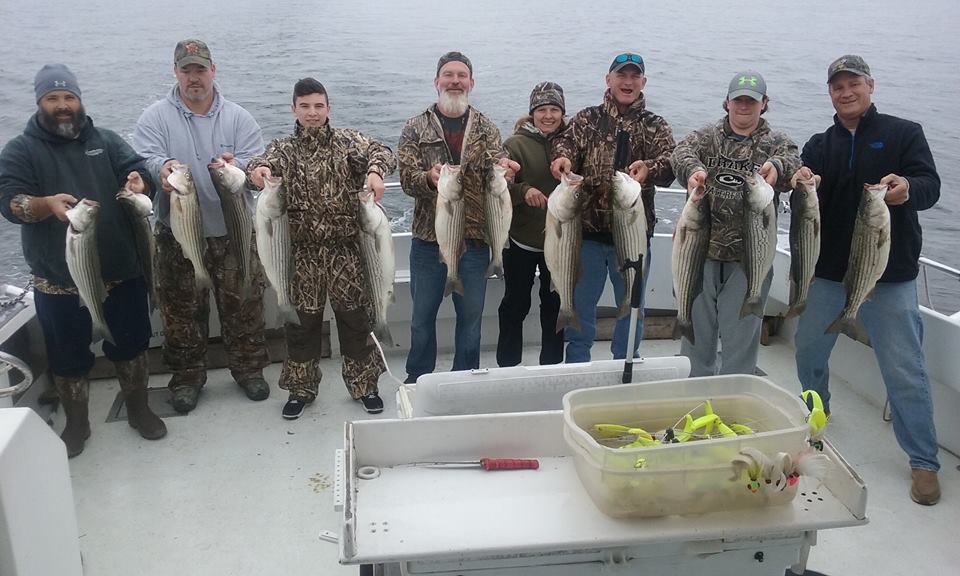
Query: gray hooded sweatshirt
{"points": [[169, 130]]}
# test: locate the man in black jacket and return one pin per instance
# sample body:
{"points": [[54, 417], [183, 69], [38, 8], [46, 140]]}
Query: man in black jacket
{"points": [[866, 147], [59, 160]]}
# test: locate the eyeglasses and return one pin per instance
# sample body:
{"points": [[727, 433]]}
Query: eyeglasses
{"points": [[631, 57]]}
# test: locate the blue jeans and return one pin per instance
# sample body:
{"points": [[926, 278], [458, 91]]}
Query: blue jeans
{"points": [[428, 276], [598, 261], [892, 320]]}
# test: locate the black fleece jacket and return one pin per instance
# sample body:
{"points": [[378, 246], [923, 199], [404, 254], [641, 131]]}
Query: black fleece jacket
{"points": [[881, 145]]}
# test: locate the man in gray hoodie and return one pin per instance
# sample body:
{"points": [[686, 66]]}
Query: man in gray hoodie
{"points": [[193, 124]]}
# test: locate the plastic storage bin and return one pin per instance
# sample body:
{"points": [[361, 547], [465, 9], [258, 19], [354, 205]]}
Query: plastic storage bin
{"points": [[690, 477]]}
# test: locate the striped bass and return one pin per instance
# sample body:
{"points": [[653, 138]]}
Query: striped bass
{"points": [[629, 226], [187, 223], [691, 239], [273, 244], [376, 245], [139, 207], [83, 262], [869, 252], [804, 243], [561, 246], [231, 184], [498, 215], [759, 241], [449, 225]]}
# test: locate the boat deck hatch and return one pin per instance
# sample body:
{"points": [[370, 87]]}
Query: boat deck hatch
{"points": [[157, 398]]}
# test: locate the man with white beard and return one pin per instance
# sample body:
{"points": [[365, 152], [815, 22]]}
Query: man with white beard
{"points": [[448, 132]]}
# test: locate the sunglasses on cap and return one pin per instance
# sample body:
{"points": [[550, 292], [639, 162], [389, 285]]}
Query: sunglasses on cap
{"points": [[627, 58]]}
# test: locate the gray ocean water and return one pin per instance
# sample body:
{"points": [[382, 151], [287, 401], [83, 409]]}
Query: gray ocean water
{"points": [[378, 60]]}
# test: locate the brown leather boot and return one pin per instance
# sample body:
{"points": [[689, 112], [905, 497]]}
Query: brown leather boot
{"points": [[74, 395], [133, 377], [925, 488]]}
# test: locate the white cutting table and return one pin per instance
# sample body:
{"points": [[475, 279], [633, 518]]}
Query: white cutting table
{"points": [[420, 520]]}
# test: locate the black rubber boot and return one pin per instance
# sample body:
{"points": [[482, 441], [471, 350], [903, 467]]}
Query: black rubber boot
{"points": [[133, 377], [74, 396]]}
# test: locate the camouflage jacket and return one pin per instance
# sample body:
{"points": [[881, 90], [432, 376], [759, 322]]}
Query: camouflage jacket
{"points": [[590, 142], [728, 159], [422, 145], [323, 170]]}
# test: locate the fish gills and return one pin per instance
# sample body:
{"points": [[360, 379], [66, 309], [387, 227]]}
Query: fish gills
{"points": [[449, 225], [629, 226], [561, 246], [83, 263]]}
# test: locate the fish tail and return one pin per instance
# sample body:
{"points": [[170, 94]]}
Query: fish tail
{"points": [[843, 325], [453, 285], [101, 332], [752, 306], [203, 278], [495, 269], [567, 318], [382, 333], [624, 308], [288, 314], [796, 310]]}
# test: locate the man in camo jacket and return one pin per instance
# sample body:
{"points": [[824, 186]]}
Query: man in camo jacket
{"points": [[720, 158], [589, 147], [323, 170], [451, 131]]}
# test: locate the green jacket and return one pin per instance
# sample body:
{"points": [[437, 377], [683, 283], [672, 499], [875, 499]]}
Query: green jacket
{"points": [[531, 150]]}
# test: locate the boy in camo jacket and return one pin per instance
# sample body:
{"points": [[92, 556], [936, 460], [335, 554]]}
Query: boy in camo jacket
{"points": [[323, 170], [720, 158]]}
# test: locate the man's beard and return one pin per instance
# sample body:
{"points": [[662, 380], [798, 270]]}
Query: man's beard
{"points": [[453, 105], [61, 126]]}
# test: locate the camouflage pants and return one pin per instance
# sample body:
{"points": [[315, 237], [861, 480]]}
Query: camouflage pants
{"points": [[334, 269], [186, 310]]}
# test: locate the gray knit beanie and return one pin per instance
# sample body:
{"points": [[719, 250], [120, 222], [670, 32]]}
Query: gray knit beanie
{"points": [[55, 77]]}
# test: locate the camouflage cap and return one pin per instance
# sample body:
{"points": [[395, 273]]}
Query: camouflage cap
{"points": [[192, 52], [848, 63], [546, 93], [749, 84], [454, 57]]}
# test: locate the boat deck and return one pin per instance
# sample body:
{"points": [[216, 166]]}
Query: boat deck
{"points": [[235, 489]]}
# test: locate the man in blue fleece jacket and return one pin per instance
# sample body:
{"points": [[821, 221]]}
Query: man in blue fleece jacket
{"points": [[866, 147]]}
